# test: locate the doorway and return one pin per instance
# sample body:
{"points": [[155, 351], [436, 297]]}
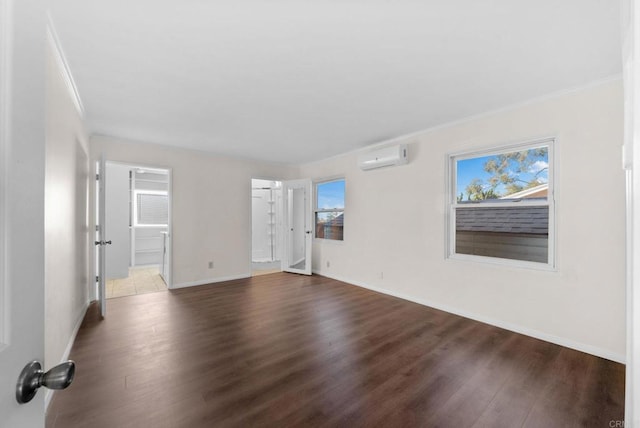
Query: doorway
{"points": [[136, 229], [266, 226]]}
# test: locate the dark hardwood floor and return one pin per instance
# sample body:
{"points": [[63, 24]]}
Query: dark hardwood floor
{"points": [[285, 350]]}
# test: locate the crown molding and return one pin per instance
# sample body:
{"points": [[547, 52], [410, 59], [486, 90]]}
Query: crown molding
{"points": [[60, 58]]}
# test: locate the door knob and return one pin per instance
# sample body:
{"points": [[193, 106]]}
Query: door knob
{"points": [[32, 377]]}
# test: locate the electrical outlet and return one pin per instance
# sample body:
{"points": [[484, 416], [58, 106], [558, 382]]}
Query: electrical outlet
{"points": [[211, 265], [328, 263]]}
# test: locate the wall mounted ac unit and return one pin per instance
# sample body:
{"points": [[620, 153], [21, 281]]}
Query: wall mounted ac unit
{"points": [[388, 156]]}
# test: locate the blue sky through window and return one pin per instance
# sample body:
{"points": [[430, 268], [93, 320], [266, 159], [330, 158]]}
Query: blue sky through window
{"points": [[331, 195], [473, 168]]}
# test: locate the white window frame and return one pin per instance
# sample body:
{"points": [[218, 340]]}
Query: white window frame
{"points": [[317, 210], [452, 204], [135, 206]]}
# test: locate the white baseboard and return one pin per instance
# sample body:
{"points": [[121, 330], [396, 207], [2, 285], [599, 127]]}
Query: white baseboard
{"points": [[210, 281], [65, 356], [562, 341]]}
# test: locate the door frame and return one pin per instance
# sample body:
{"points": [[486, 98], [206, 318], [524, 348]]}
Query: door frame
{"points": [[101, 251], [308, 227], [96, 198]]}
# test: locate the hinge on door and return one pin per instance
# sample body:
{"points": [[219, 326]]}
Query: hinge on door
{"points": [[97, 177], [97, 278], [97, 228]]}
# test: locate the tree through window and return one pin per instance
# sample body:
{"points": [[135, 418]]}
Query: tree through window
{"points": [[501, 203]]}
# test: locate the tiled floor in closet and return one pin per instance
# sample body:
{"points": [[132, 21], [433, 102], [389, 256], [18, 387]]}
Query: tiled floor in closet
{"points": [[142, 279]]}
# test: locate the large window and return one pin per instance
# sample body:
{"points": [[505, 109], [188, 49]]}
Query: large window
{"points": [[329, 210], [501, 205]]}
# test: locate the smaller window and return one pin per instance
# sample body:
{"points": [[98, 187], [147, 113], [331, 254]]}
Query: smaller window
{"points": [[329, 212], [151, 208]]}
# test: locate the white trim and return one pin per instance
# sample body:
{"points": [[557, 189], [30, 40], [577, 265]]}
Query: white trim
{"points": [[631, 383], [151, 192], [63, 66], [144, 166], [65, 355], [498, 261], [562, 341], [451, 203], [132, 221], [527, 192], [210, 281], [631, 163], [498, 148], [6, 50]]}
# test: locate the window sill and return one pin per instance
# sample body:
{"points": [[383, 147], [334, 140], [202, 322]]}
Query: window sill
{"points": [[546, 267]]}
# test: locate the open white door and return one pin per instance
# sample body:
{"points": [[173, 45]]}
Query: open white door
{"points": [[298, 221], [22, 153], [101, 242]]}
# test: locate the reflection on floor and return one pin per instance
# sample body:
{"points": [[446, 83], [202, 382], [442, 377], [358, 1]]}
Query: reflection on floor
{"points": [[141, 279], [263, 268]]}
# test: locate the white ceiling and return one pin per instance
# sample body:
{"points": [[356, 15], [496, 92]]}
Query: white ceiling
{"points": [[295, 81]]}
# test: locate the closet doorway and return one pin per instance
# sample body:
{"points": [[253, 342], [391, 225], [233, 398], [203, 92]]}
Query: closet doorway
{"points": [[266, 226]]}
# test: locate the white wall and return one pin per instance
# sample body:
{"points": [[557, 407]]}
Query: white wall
{"points": [[211, 206], [117, 196], [394, 234], [66, 238]]}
